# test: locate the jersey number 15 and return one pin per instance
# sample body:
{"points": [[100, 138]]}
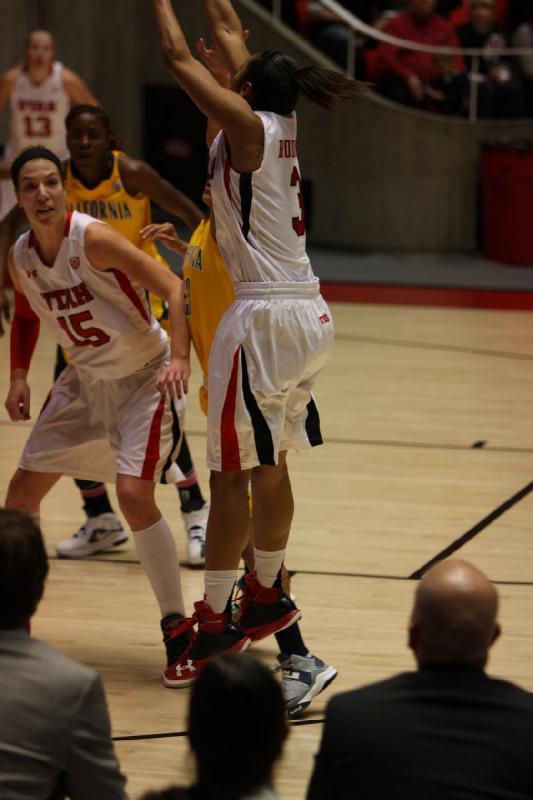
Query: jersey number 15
{"points": [[80, 336]]}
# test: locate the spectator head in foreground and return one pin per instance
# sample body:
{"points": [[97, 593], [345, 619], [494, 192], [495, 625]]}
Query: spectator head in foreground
{"points": [[237, 727], [454, 616], [422, 10], [237, 724], [23, 568]]}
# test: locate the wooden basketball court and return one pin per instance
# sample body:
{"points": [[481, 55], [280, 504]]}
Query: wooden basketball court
{"points": [[428, 421]]}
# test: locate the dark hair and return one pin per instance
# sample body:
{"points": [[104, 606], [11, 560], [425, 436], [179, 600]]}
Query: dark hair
{"points": [[237, 726], [277, 83], [23, 567], [30, 154], [115, 141]]}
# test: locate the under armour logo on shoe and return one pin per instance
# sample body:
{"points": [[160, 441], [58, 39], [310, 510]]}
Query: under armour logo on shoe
{"points": [[182, 669]]}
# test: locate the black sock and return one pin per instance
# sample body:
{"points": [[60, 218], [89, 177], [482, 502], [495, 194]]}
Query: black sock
{"points": [[95, 498], [191, 498], [290, 641]]}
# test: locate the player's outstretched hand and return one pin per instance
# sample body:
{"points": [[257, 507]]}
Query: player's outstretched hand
{"points": [[5, 315], [166, 234], [18, 400], [213, 59], [174, 378]]}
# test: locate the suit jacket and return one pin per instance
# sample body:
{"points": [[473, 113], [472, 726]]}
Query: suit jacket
{"points": [[446, 733], [55, 735]]}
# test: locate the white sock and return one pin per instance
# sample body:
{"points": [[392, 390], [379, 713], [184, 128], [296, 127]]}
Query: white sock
{"points": [[158, 554], [267, 565], [218, 587]]}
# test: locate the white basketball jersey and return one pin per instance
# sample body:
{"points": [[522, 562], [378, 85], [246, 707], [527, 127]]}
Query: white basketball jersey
{"points": [[38, 114], [259, 216], [103, 319]]}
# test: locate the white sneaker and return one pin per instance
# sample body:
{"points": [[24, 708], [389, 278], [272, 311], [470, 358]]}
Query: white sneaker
{"points": [[96, 534], [196, 525]]}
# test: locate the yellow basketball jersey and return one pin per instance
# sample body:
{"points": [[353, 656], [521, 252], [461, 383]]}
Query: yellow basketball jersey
{"points": [[110, 202], [208, 293]]}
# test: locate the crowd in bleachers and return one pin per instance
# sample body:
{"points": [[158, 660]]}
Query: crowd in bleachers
{"points": [[443, 84]]}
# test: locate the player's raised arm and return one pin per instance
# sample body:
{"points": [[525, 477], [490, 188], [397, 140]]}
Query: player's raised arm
{"points": [[107, 249], [228, 32], [225, 107]]}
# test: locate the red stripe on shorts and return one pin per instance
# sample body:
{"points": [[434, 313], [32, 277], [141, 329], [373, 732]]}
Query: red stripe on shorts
{"points": [[229, 443], [151, 456]]}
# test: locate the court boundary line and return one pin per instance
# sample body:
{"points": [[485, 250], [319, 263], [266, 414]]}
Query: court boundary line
{"points": [[486, 448], [178, 734], [447, 348], [293, 572], [474, 531]]}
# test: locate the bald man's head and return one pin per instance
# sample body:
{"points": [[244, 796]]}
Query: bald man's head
{"points": [[454, 616]]}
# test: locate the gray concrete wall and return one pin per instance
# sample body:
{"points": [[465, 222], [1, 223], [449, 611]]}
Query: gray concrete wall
{"points": [[384, 178]]}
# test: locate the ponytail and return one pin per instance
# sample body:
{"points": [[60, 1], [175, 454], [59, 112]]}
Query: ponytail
{"points": [[277, 83], [327, 88]]}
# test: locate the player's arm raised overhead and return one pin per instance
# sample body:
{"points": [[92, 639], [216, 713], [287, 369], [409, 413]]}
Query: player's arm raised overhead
{"points": [[228, 32], [24, 335], [107, 249], [228, 109]]}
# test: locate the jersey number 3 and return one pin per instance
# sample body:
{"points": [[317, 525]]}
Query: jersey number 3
{"points": [[298, 223], [80, 336]]}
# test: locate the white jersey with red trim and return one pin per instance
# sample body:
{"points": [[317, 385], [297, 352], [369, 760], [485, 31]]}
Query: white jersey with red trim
{"points": [[38, 113], [103, 319], [259, 216]]}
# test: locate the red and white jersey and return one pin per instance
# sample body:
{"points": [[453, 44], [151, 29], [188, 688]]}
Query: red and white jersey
{"points": [[103, 319], [259, 216], [38, 113]]}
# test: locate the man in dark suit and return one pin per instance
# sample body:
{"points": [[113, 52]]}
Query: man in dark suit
{"points": [[444, 732], [55, 738]]}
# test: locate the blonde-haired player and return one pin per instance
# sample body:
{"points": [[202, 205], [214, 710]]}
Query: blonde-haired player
{"points": [[40, 92]]}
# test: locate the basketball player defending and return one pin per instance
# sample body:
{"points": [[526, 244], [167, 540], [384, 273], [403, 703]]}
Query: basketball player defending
{"points": [[274, 339], [111, 413]]}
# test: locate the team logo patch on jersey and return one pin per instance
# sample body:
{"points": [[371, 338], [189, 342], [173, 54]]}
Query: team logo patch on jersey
{"points": [[117, 186], [31, 273], [324, 319], [74, 262]]}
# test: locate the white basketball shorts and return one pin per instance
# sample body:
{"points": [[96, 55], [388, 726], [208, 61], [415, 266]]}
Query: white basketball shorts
{"points": [[95, 430], [269, 347]]}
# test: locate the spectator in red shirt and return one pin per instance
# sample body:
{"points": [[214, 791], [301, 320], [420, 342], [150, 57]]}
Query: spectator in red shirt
{"points": [[407, 75]]}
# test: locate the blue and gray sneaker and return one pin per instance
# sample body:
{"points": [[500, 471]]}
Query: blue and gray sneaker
{"points": [[303, 677]]}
